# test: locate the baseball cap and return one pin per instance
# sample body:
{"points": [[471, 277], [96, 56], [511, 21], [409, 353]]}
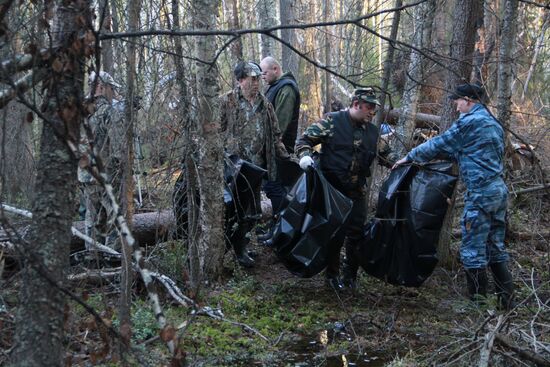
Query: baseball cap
{"points": [[366, 95], [247, 68], [104, 77], [471, 91]]}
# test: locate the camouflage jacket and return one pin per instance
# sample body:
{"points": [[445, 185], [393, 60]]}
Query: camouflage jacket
{"points": [[107, 125], [476, 142], [251, 131]]}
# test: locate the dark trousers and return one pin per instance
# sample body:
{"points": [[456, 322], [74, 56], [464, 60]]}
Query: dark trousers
{"points": [[276, 192], [352, 233]]}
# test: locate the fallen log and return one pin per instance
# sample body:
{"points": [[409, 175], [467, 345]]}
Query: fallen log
{"points": [[147, 228], [525, 353], [422, 120]]}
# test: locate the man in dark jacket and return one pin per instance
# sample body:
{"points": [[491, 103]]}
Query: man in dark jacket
{"points": [[284, 95], [349, 146]]}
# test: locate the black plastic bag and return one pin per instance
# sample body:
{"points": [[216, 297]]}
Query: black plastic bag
{"points": [[305, 228], [400, 244], [240, 194]]}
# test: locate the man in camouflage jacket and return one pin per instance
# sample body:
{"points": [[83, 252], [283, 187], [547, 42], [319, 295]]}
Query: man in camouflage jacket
{"points": [[250, 130], [107, 127], [476, 142], [349, 146]]}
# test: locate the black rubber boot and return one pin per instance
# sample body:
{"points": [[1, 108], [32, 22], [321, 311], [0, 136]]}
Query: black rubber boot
{"points": [[504, 286], [242, 254], [477, 284], [349, 276], [267, 233], [351, 266]]}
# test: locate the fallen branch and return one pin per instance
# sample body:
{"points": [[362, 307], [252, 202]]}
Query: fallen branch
{"points": [[94, 275], [87, 239], [531, 189], [218, 315], [485, 352], [526, 353]]}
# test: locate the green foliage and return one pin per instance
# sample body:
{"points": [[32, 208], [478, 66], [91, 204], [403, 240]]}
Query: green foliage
{"points": [[144, 324]]}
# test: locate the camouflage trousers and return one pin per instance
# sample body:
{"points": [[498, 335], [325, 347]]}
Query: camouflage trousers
{"points": [[483, 227]]}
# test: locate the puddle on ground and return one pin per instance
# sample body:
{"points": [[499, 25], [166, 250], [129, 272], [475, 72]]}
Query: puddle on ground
{"points": [[313, 351]]}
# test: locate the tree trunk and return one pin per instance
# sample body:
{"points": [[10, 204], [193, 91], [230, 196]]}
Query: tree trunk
{"points": [[211, 245], [465, 19], [545, 15], [16, 154], [289, 59], [327, 57], [384, 83], [236, 47], [422, 19], [39, 323], [505, 52], [126, 278], [267, 19], [105, 18]]}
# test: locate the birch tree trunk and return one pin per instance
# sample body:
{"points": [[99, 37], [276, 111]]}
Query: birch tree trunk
{"points": [[421, 37], [288, 58], [465, 19], [545, 15], [39, 323], [211, 245], [267, 10]]}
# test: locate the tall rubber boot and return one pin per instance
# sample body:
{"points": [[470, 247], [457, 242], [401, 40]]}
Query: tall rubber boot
{"points": [[242, 254], [477, 281], [504, 285], [350, 267]]}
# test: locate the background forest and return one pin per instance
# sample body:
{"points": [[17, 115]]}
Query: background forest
{"points": [[173, 296]]}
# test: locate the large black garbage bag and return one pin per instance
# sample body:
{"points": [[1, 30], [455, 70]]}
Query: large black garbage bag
{"points": [[400, 244], [240, 194], [311, 220], [288, 172]]}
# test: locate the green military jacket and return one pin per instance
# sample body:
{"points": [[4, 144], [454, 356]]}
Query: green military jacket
{"points": [[251, 130]]}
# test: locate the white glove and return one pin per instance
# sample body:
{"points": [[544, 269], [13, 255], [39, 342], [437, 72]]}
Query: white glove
{"points": [[306, 162]]}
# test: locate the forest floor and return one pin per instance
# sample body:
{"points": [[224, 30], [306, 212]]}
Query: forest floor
{"points": [[272, 318]]}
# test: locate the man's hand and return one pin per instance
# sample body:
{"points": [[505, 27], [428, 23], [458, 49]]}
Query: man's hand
{"points": [[400, 162], [306, 162]]}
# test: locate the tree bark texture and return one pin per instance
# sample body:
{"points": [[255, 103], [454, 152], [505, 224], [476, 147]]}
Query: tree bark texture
{"points": [[266, 19], [211, 245], [39, 323], [236, 47], [466, 18], [505, 60], [16, 154], [288, 16], [422, 19]]}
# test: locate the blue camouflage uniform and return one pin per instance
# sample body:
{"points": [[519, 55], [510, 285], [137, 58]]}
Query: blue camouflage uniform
{"points": [[476, 142]]}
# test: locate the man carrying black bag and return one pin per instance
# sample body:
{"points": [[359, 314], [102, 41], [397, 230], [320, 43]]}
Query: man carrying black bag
{"points": [[349, 146]]}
